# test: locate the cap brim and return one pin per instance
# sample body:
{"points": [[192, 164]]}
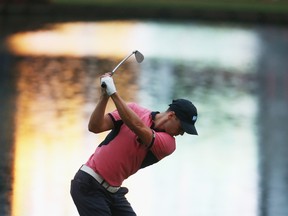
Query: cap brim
{"points": [[189, 128]]}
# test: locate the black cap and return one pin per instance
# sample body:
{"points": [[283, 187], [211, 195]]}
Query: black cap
{"points": [[186, 112]]}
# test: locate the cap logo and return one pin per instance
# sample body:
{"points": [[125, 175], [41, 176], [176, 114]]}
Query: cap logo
{"points": [[194, 118]]}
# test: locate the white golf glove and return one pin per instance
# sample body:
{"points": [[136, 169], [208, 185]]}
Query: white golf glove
{"points": [[108, 83]]}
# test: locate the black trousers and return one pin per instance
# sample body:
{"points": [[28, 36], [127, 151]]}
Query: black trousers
{"points": [[91, 199]]}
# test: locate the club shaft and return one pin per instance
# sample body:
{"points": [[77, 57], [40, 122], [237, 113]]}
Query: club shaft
{"points": [[103, 85], [122, 62]]}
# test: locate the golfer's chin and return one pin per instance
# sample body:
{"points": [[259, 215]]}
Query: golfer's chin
{"points": [[168, 132], [172, 134]]}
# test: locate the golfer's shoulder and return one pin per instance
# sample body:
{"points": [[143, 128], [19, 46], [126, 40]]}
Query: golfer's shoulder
{"points": [[164, 145], [137, 108], [165, 137]]}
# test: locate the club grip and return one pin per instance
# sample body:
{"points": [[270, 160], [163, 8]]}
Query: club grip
{"points": [[103, 85]]}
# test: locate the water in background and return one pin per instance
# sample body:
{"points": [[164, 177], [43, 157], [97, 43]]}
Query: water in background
{"points": [[217, 67]]}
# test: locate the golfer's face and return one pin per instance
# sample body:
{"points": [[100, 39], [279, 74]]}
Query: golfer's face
{"points": [[174, 128]]}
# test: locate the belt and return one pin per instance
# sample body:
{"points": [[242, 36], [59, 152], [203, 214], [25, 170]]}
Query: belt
{"points": [[99, 179]]}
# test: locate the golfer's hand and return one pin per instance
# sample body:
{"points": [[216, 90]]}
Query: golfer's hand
{"points": [[107, 82]]}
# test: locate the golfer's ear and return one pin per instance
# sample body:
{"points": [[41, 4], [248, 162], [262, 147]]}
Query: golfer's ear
{"points": [[170, 114]]}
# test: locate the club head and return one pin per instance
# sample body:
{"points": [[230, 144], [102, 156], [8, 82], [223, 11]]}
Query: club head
{"points": [[139, 56]]}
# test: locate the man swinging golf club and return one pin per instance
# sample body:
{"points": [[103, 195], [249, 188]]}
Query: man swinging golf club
{"points": [[138, 138]]}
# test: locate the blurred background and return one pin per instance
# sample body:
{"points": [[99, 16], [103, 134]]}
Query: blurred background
{"points": [[228, 57]]}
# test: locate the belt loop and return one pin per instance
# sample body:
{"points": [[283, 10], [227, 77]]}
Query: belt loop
{"points": [[99, 179], [103, 181]]}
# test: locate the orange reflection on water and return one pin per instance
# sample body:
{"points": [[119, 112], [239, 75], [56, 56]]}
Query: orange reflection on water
{"points": [[50, 131], [56, 97], [49, 140], [76, 39]]}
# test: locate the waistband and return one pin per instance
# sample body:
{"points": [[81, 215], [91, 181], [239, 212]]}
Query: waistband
{"points": [[99, 179]]}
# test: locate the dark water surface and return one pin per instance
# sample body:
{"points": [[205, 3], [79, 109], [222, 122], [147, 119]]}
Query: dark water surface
{"points": [[237, 76]]}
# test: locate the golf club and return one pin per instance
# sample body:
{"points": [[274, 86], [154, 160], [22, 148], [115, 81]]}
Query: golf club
{"points": [[139, 58]]}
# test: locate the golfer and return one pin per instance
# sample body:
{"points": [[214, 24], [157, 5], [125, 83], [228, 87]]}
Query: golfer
{"points": [[138, 138]]}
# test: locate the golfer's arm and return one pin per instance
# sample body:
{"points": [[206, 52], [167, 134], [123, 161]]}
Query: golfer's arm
{"points": [[98, 121], [132, 120]]}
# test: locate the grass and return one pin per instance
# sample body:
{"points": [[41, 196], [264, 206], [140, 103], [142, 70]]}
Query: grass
{"points": [[266, 6]]}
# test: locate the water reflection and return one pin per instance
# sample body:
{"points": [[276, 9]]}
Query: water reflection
{"points": [[57, 94], [48, 133], [222, 161], [50, 130], [217, 46]]}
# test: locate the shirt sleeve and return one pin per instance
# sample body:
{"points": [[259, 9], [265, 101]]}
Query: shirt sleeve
{"points": [[115, 114], [163, 145]]}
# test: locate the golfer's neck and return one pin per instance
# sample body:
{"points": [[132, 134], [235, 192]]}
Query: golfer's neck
{"points": [[160, 120]]}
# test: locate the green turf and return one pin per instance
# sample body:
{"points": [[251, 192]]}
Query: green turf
{"points": [[267, 6]]}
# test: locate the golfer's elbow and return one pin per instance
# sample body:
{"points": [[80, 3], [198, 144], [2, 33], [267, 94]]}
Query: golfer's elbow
{"points": [[101, 126], [93, 128]]}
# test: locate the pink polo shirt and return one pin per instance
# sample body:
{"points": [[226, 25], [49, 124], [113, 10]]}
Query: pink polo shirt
{"points": [[120, 155]]}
